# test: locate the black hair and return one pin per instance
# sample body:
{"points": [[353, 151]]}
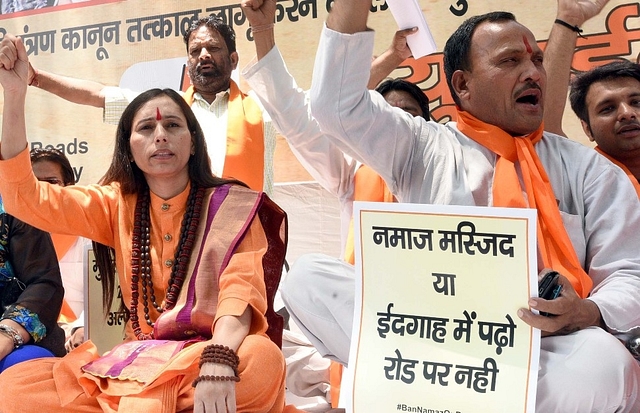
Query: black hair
{"points": [[582, 83], [406, 86], [213, 22], [56, 156], [458, 47]]}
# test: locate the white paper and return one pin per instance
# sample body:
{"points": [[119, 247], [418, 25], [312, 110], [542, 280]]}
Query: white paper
{"points": [[408, 14], [347, 386]]}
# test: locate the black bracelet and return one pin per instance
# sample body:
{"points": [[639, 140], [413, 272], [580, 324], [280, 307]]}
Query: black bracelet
{"points": [[570, 27]]}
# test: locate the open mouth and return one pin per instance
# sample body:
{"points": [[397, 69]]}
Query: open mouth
{"points": [[529, 98]]}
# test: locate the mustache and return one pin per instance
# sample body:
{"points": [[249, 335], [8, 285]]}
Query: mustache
{"points": [[631, 122], [527, 86], [211, 63]]}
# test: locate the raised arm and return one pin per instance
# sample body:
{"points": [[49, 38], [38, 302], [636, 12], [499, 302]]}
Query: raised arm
{"points": [[360, 122], [13, 77], [84, 92], [80, 91], [288, 106], [558, 56], [387, 62], [349, 16]]}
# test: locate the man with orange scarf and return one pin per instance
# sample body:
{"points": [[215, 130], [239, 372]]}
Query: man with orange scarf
{"points": [[495, 154], [240, 140], [605, 99]]}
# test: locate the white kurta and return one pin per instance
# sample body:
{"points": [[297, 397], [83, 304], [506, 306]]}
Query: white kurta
{"points": [[288, 106], [436, 164], [426, 162]]}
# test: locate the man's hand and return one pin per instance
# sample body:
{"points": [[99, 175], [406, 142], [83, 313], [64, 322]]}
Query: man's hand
{"points": [[259, 12], [569, 312], [576, 12], [399, 45], [14, 64]]}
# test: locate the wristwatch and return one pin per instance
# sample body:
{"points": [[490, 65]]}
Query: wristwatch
{"points": [[13, 334]]}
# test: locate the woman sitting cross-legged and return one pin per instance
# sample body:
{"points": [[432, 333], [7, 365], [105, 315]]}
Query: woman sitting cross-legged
{"points": [[192, 253]]}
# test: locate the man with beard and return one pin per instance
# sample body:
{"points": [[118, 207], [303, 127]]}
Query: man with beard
{"points": [[239, 140]]}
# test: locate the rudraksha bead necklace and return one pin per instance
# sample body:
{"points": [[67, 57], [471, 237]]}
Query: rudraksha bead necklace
{"points": [[141, 259]]}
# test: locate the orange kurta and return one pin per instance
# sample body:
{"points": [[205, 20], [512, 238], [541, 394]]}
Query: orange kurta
{"points": [[244, 159], [102, 213]]}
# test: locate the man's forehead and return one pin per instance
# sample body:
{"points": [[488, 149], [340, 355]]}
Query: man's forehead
{"points": [[205, 33], [610, 89], [504, 34]]}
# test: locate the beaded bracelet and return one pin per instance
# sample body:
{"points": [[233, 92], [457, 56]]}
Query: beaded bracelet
{"points": [[218, 360], [207, 377], [220, 351]]}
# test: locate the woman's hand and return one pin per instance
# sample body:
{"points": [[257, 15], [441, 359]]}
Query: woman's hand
{"points": [[6, 346], [14, 65], [215, 396]]}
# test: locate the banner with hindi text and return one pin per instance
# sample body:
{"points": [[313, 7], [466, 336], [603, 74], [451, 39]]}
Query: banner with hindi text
{"points": [[139, 42], [437, 292]]}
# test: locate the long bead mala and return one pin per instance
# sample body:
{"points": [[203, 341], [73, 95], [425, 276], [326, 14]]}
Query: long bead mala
{"points": [[141, 258]]}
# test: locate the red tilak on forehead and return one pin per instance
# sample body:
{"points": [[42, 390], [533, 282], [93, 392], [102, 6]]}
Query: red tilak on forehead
{"points": [[527, 45], [158, 114]]}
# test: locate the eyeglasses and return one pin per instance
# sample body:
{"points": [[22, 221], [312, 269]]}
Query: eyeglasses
{"points": [[53, 181]]}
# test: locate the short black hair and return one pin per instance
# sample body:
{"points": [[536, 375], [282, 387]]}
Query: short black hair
{"points": [[213, 22], [406, 86], [56, 156], [582, 83], [456, 50]]}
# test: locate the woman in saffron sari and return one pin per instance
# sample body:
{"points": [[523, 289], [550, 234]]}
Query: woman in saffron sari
{"points": [[197, 257]]}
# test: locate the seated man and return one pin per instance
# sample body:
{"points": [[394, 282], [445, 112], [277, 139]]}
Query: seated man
{"points": [[496, 154], [338, 173]]}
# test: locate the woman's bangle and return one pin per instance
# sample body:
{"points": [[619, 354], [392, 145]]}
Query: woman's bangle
{"points": [[207, 377], [13, 334]]}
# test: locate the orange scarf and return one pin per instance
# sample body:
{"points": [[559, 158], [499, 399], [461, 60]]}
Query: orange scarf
{"points": [[626, 170], [244, 159], [368, 186], [62, 244], [554, 244]]}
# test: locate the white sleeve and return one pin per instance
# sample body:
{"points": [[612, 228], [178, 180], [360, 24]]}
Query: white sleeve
{"points": [[288, 107], [357, 120], [115, 102]]}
